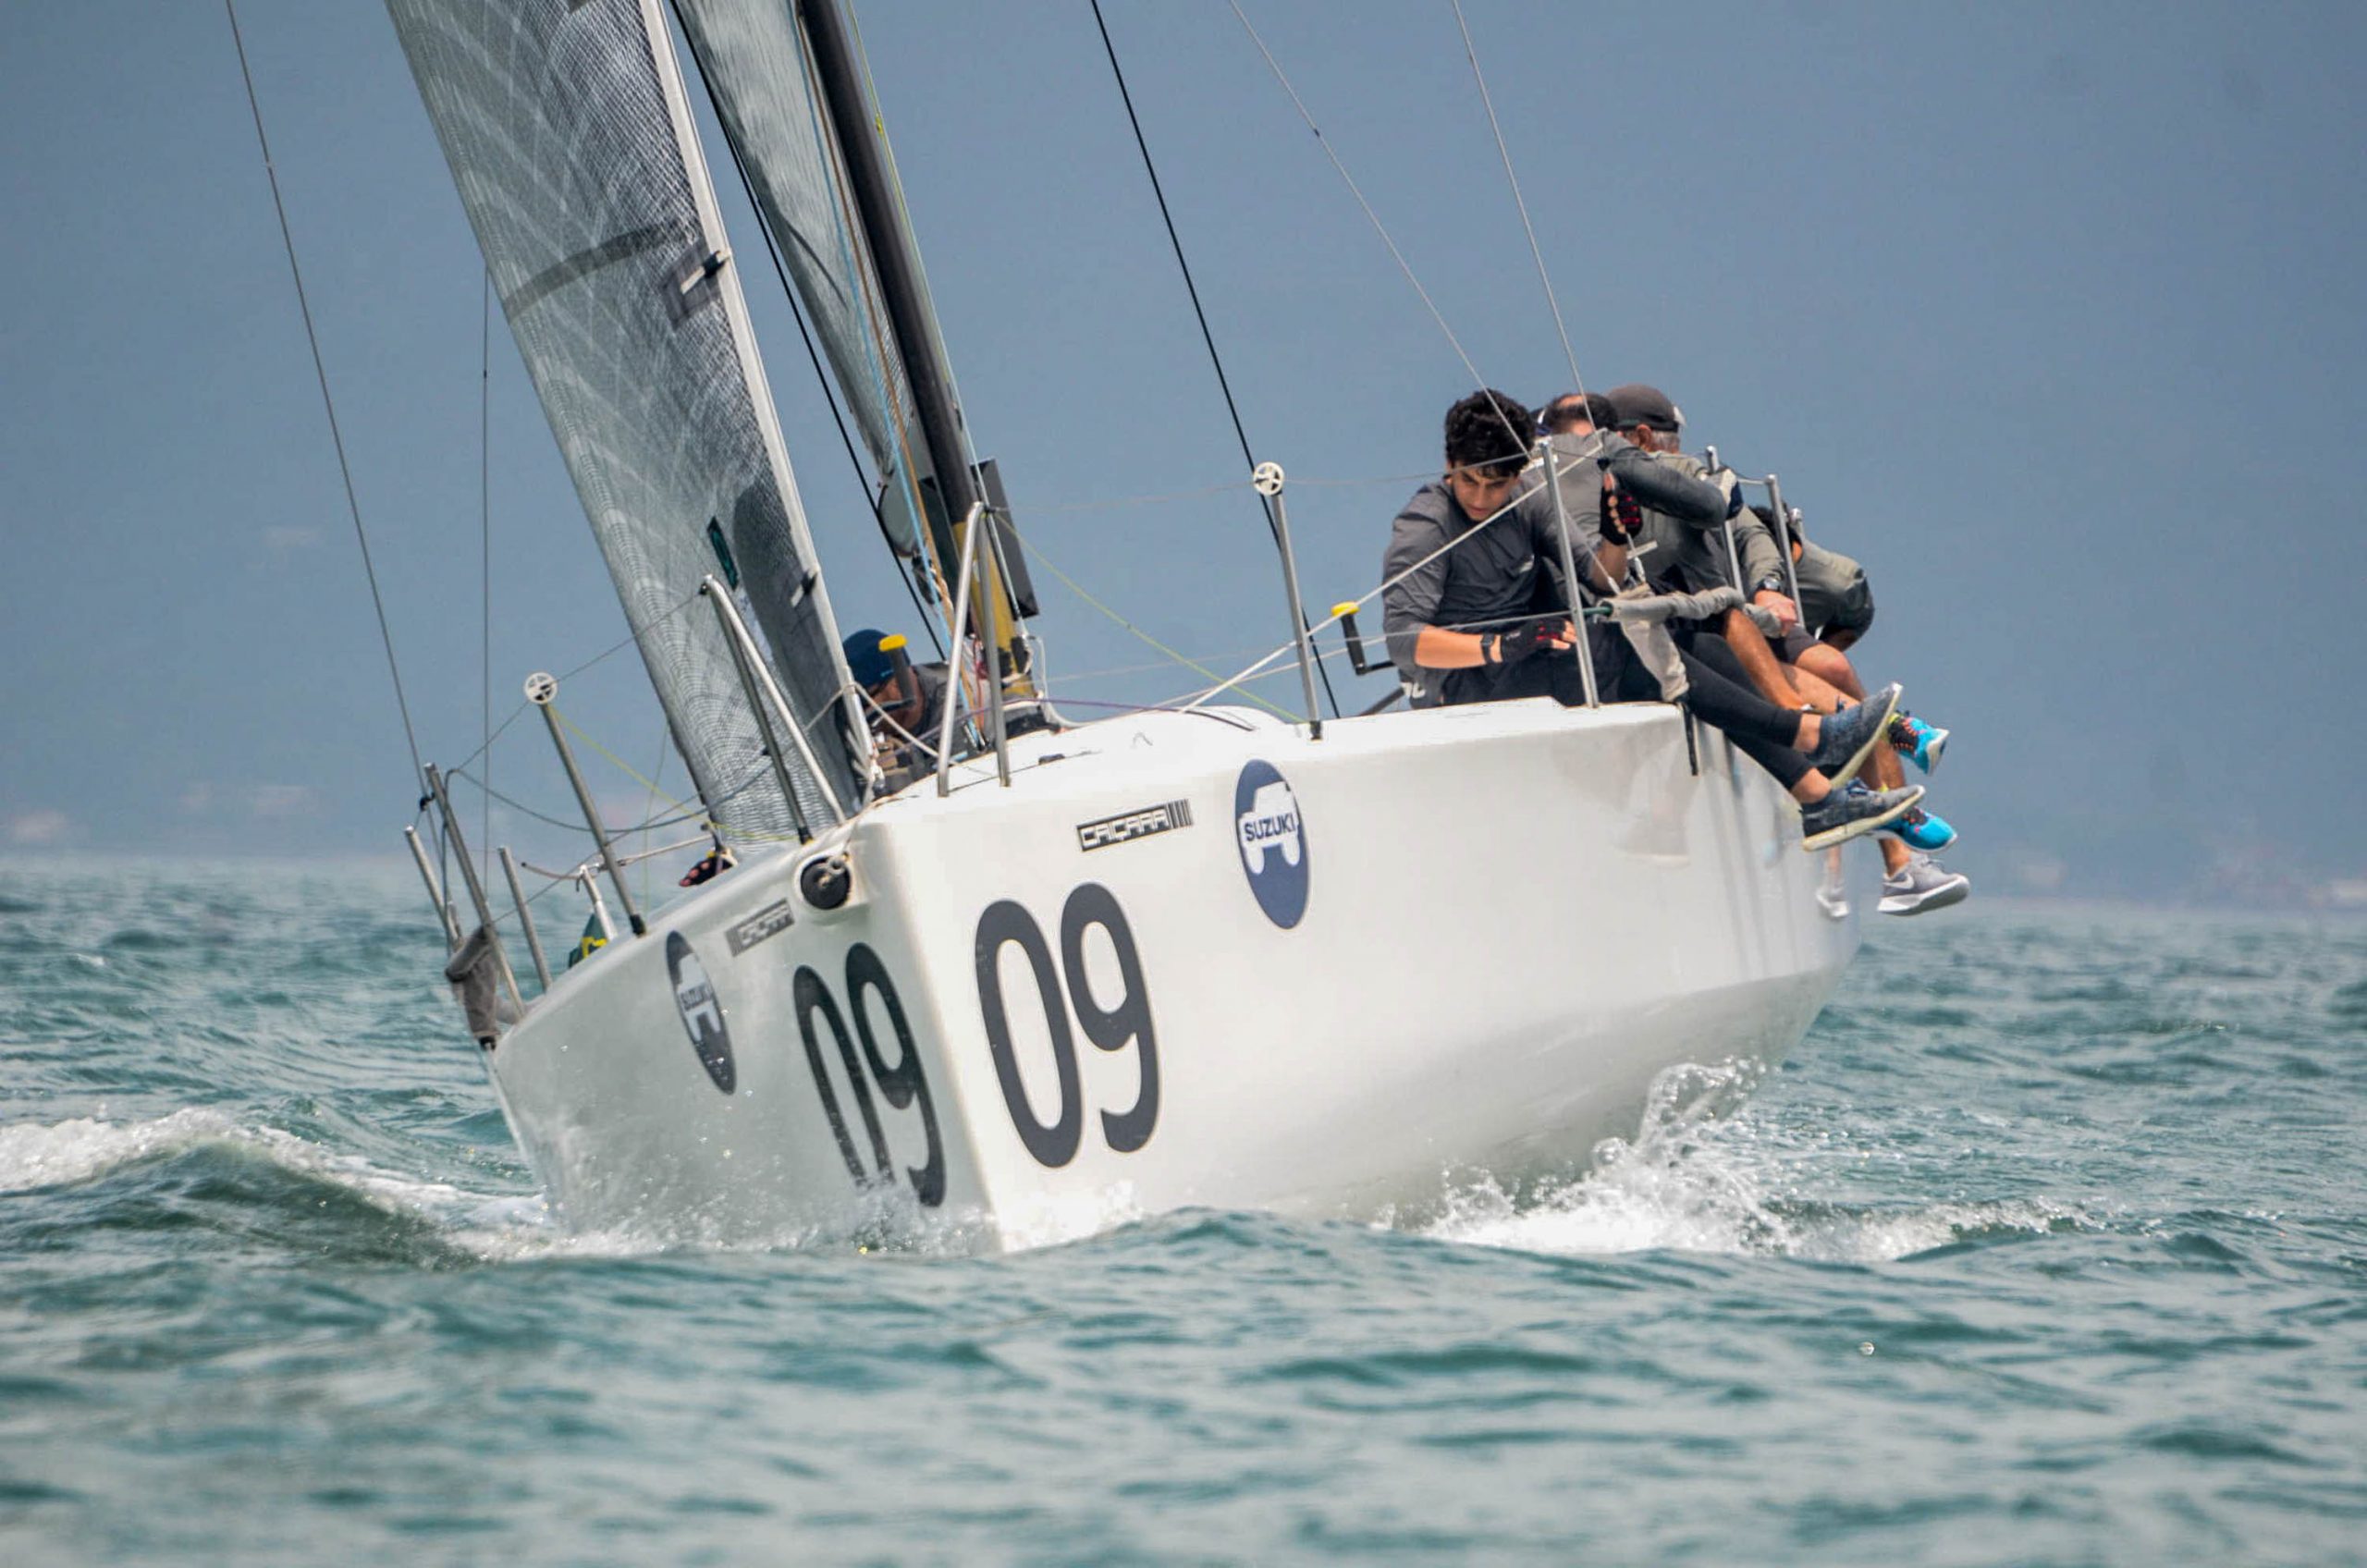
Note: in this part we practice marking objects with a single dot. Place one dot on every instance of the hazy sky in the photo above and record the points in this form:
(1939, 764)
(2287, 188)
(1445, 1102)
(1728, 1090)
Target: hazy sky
(2053, 316)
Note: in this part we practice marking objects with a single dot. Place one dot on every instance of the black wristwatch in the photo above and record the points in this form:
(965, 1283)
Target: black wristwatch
(1770, 585)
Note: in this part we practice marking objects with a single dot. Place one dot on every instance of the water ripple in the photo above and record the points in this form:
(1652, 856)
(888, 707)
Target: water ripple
(2047, 1246)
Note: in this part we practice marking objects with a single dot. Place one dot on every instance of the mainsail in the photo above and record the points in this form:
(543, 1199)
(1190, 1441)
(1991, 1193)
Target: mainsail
(571, 139)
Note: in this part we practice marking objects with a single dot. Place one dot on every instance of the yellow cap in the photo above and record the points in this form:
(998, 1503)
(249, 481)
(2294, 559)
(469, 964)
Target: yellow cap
(889, 643)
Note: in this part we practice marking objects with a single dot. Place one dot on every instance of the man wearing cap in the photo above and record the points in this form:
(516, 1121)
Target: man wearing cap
(910, 697)
(1459, 611)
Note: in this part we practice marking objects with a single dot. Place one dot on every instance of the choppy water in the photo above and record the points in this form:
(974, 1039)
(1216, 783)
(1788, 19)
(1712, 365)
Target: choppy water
(2046, 1247)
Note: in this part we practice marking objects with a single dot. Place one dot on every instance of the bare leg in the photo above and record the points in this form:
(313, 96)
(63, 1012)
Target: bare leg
(1829, 665)
(1758, 661)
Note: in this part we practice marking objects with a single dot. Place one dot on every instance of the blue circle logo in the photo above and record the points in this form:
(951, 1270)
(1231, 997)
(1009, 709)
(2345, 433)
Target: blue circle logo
(1272, 841)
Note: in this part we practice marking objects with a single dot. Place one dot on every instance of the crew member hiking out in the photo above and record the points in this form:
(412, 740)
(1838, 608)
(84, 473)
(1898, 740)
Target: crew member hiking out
(1775, 657)
(1460, 576)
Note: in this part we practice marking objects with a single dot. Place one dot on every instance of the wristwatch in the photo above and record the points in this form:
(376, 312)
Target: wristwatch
(1770, 585)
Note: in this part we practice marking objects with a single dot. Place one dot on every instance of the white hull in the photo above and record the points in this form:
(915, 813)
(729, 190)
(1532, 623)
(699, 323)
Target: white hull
(1509, 918)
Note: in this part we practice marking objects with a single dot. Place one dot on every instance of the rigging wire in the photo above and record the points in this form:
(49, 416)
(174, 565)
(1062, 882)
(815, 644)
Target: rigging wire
(484, 519)
(320, 370)
(1519, 201)
(813, 356)
(649, 806)
(1386, 584)
(1223, 383)
(1523, 436)
(1077, 588)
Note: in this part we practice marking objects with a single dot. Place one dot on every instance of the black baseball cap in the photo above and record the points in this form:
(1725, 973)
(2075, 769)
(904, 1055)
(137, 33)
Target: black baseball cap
(1638, 404)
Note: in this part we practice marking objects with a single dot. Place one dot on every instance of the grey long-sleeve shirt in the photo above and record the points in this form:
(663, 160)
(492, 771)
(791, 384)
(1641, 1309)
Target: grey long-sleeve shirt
(1683, 513)
(1689, 546)
(1486, 582)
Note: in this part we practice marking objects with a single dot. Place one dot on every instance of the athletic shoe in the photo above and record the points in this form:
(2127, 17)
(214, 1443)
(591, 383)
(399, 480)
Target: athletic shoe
(1918, 830)
(1919, 742)
(1847, 736)
(1922, 886)
(1832, 898)
(1853, 810)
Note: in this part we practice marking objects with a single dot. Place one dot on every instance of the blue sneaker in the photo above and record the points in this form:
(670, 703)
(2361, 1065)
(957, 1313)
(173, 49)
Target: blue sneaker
(1921, 830)
(1919, 742)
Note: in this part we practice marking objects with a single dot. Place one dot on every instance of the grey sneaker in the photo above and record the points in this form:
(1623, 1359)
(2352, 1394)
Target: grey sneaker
(1925, 884)
(1847, 736)
(1852, 810)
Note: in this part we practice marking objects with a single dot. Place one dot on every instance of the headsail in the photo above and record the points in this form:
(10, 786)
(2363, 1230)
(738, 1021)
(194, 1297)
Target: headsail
(571, 139)
(757, 69)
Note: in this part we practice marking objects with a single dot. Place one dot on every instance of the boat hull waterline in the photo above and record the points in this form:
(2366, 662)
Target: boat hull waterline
(1187, 959)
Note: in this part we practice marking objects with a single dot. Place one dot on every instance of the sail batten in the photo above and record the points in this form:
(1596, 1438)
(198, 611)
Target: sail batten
(570, 140)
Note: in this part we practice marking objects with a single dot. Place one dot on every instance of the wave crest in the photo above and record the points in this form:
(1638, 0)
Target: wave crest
(1693, 1181)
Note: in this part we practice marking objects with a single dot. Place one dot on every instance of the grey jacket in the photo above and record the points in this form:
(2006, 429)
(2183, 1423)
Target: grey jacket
(1683, 513)
(1688, 548)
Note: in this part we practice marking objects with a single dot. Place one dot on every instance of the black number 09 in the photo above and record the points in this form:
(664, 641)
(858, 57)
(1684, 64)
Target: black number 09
(903, 1083)
(1109, 1029)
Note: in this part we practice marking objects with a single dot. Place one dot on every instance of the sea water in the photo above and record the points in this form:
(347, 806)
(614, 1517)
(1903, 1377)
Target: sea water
(2045, 1247)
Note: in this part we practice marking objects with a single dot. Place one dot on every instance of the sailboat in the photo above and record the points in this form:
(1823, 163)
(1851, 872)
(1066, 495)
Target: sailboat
(1063, 972)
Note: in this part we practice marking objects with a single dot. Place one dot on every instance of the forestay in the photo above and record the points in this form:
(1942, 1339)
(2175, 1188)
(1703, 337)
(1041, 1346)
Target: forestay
(570, 140)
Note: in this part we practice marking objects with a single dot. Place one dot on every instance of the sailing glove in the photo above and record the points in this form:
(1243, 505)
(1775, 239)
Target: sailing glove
(1622, 518)
(1521, 643)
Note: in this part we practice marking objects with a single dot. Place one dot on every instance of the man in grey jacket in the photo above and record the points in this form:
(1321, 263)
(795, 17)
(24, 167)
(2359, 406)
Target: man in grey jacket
(1460, 610)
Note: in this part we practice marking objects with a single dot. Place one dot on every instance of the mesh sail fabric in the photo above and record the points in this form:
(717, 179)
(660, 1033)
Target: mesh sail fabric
(757, 69)
(570, 140)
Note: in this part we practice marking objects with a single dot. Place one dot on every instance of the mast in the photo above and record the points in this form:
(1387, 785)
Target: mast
(892, 257)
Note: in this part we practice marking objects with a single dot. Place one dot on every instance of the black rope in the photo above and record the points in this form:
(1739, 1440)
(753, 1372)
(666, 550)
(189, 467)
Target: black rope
(797, 314)
(1248, 458)
(410, 736)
